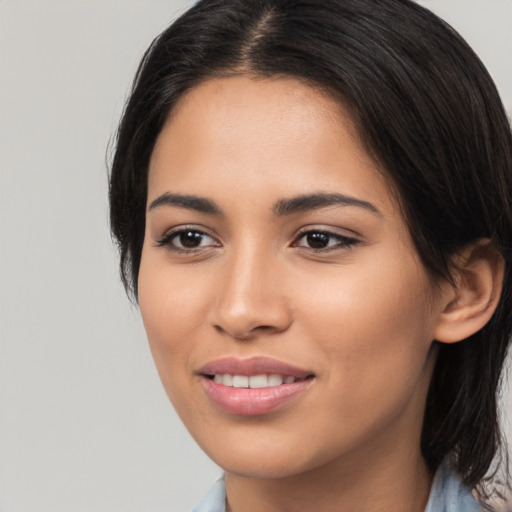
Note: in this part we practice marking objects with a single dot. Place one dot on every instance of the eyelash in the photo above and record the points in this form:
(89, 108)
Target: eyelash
(168, 238)
(342, 242)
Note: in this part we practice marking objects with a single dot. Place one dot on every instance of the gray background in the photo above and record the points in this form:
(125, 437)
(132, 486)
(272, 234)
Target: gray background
(84, 423)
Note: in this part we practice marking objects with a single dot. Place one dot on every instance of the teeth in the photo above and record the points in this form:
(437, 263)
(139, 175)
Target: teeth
(258, 381)
(240, 381)
(275, 380)
(227, 379)
(254, 381)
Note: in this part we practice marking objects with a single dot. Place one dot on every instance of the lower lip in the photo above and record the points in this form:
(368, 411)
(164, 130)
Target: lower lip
(253, 402)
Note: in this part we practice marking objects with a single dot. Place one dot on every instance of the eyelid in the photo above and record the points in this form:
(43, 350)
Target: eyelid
(167, 237)
(329, 230)
(346, 241)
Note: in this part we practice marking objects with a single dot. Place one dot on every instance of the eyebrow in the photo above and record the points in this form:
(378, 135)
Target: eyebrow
(199, 204)
(282, 207)
(319, 200)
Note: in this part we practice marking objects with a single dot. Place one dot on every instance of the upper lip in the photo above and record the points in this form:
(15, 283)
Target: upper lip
(253, 366)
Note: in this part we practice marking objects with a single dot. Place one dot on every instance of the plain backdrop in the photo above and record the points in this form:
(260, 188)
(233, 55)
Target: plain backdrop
(84, 422)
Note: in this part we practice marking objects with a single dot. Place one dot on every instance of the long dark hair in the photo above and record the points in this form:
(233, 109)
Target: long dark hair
(428, 113)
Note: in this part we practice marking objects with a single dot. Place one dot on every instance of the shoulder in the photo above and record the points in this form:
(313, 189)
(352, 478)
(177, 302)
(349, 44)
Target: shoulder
(214, 500)
(448, 494)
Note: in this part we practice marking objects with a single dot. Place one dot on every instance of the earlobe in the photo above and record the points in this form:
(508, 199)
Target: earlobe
(471, 301)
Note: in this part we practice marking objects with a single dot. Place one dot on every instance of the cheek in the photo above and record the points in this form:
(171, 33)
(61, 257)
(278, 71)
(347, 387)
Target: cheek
(172, 309)
(374, 330)
(390, 301)
(171, 303)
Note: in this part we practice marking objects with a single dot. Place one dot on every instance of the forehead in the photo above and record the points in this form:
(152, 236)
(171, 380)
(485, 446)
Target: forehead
(259, 102)
(258, 133)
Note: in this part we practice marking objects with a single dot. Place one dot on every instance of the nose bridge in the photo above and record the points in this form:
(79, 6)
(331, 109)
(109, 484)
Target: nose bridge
(250, 298)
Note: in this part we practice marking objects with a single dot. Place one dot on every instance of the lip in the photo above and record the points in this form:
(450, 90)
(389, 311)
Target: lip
(253, 366)
(253, 402)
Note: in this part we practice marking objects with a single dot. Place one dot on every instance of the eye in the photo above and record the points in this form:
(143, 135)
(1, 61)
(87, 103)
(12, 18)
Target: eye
(319, 240)
(187, 239)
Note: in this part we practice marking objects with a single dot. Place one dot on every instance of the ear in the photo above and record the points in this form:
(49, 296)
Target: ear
(469, 304)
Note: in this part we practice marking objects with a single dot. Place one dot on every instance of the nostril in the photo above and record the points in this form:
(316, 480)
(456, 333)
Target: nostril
(244, 322)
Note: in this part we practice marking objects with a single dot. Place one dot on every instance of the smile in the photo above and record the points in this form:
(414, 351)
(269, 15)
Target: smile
(253, 381)
(255, 386)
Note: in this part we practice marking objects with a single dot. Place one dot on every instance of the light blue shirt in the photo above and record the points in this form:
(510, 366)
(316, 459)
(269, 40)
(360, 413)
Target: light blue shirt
(447, 495)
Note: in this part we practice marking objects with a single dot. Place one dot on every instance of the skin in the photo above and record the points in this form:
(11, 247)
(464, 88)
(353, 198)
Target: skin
(360, 314)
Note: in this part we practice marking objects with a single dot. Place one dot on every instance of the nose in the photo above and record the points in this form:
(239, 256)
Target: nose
(251, 298)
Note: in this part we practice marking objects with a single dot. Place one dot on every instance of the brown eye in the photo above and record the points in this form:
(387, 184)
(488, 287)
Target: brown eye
(187, 239)
(318, 240)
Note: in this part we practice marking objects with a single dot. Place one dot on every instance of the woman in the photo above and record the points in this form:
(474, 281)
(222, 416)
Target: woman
(312, 202)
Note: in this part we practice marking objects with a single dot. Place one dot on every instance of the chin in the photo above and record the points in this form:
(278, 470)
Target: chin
(262, 455)
(263, 468)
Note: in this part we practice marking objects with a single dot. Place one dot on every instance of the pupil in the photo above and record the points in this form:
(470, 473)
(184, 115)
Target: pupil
(190, 239)
(317, 240)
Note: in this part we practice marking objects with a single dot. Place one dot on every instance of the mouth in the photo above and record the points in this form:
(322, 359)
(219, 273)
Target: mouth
(256, 386)
(255, 381)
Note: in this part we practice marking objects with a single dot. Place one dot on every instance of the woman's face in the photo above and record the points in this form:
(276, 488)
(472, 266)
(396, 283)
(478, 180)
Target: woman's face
(287, 311)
